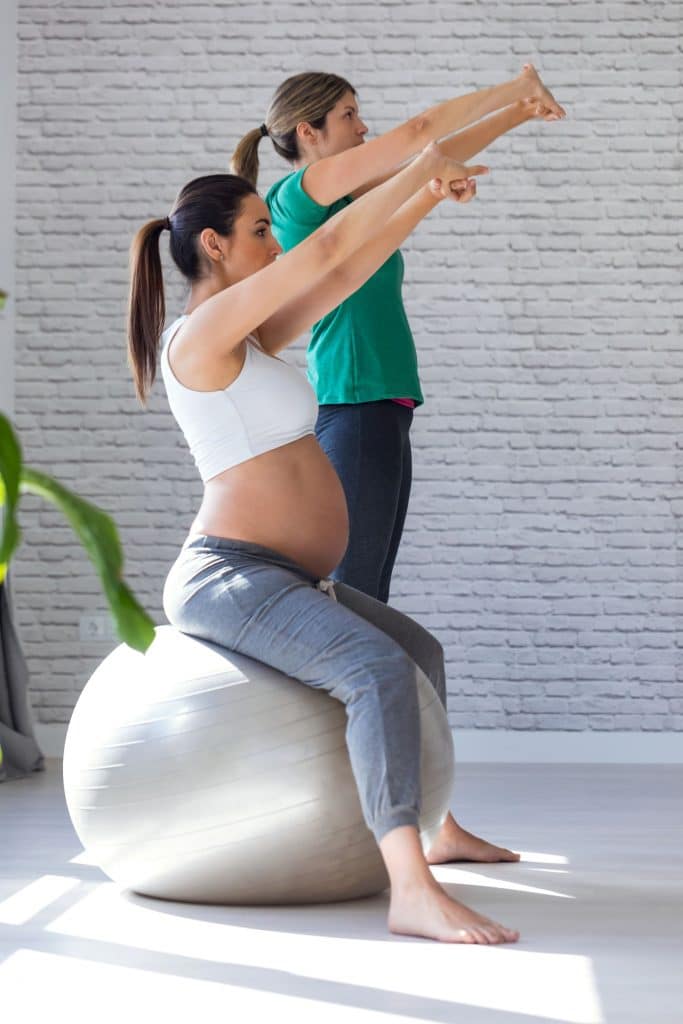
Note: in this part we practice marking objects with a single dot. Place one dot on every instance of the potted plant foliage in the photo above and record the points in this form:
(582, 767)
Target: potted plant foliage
(93, 527)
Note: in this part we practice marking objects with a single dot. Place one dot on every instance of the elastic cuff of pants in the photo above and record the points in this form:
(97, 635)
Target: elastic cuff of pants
(396, 819)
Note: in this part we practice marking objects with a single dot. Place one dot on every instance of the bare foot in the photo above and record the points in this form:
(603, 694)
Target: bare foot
(454, 843)
(538, 91)
(425, 910)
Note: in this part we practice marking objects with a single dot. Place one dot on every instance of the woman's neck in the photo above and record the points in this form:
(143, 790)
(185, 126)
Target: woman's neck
(200, 292)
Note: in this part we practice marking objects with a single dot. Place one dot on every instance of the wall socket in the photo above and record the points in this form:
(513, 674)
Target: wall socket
(96, 628)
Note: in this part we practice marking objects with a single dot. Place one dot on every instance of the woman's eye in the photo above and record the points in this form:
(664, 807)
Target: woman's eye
(261, 232)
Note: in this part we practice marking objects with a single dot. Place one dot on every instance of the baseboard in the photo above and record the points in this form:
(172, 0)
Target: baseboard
(512, 746)
(50, 739)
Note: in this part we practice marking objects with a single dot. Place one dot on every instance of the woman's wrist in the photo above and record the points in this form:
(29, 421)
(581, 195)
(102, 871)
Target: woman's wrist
(431, 159)
(432, 194)
(526, 110)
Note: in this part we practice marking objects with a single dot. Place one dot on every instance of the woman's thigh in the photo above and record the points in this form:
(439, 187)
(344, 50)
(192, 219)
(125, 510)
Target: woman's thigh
(364, 444)
(275, 614)
(401, 506)
(419, 644)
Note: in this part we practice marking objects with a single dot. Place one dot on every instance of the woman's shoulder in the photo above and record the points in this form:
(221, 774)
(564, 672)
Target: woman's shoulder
(289, 202)
(283, 189)
(172, 329)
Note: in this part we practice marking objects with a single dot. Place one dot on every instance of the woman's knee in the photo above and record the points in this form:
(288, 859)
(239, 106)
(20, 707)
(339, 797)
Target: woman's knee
(385, 672)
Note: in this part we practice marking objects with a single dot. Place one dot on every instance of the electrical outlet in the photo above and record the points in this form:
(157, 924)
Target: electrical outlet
(96, 628)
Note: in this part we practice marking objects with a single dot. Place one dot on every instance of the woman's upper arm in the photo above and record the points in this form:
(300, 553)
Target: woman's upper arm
(221, 322)
(301, 312)
(345, 173)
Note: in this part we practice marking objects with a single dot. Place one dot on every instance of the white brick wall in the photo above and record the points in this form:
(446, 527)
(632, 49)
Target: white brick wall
(543, 544)
(8, 132)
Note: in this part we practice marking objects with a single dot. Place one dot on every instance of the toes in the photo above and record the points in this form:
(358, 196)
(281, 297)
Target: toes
(498, 932)
(509, 855)
(508, 934)
(501, 853)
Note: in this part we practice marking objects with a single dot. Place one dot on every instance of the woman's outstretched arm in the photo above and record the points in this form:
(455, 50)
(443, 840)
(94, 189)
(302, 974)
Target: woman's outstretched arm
(474, 140)
(222, 322)
(343, 174)
(296, 316)
(467, 144)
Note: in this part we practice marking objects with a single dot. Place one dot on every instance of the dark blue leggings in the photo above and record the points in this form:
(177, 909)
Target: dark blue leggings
(369, 446)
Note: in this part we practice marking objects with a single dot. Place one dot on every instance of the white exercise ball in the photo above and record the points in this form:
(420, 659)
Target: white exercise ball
(193, 773)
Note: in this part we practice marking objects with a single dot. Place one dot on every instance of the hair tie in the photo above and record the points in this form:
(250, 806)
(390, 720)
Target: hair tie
(263, 130)
(167, 223)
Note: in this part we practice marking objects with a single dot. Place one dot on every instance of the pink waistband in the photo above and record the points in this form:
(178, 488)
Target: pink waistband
(411, 403)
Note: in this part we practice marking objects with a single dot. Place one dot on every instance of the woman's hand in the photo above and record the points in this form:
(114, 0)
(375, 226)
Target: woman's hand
(460, 191)
(539, 92)
(448, 171)
(534, 108)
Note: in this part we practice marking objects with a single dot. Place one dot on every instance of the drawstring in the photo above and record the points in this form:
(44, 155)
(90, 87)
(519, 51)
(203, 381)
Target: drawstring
(327, 587)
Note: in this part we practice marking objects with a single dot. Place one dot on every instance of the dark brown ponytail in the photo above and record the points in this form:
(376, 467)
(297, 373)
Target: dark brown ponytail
(146, 306)
(212, 201)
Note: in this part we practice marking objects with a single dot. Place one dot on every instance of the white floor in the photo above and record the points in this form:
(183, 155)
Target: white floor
(598, 899)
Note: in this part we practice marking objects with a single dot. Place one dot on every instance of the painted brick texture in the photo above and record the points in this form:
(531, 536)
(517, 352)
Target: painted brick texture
(543, 544)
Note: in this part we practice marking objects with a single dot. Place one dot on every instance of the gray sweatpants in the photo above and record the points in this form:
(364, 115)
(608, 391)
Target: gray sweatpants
(258, 603)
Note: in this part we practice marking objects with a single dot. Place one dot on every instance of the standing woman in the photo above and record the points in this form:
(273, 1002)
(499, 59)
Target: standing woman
(361, 357)
(273, 522)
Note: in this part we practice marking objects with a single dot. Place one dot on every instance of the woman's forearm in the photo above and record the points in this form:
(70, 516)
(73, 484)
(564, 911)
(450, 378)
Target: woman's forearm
(468, 143)
(356, 271)
(453, 115)
(323, 296)
(357, 223)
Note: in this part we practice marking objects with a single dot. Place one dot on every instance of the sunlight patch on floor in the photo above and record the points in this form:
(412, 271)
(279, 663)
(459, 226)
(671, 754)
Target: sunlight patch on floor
(89, 991)
(300, 945)
(21, 906)
(531, 857)
(448, 874)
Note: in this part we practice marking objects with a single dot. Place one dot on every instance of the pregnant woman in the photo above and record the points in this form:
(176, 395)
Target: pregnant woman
(272, 523)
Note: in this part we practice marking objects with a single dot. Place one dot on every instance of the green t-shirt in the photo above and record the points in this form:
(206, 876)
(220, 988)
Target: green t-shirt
(362, 351)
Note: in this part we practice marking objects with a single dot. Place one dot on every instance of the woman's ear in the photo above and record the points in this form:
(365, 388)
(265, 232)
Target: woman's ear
(212, 245)
(305, 134)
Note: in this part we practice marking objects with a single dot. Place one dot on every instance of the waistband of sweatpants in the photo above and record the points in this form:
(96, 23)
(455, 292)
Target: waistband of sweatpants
(246, 549)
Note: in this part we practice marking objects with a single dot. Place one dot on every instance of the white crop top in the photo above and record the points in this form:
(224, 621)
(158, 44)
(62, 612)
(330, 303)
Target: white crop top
(270, 403)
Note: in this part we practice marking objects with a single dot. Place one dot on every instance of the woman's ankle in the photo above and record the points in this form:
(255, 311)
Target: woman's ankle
(405, 861)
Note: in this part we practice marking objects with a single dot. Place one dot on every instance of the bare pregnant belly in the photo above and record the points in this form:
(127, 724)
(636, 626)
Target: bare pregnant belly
(289, 499)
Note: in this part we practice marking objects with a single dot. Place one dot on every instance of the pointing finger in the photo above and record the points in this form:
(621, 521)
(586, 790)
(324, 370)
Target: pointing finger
(477, 169)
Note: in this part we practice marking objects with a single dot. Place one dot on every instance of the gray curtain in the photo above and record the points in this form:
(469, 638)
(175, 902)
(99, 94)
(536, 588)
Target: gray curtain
(20, 750)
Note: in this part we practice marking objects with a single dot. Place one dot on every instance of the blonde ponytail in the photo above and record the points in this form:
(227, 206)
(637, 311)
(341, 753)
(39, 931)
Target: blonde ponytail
(306, 97)
(245, 158)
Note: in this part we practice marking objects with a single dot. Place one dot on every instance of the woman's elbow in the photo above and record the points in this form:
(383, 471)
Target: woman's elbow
(329, 246)
(421, 128)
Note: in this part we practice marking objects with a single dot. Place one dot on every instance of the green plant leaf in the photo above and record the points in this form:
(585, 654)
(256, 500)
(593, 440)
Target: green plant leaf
(10, 474)
(98, 535)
